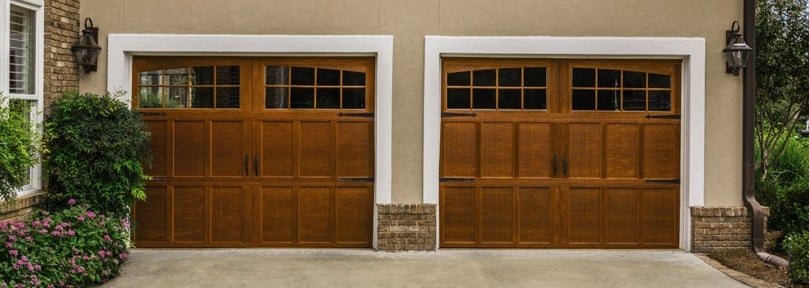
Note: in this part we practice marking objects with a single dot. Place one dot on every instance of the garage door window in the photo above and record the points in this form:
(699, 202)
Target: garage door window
(190, 87)
(293, 87)
(619, 90)
(502, 88)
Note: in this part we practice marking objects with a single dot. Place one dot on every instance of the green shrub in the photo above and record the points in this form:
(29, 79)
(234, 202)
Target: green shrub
(74, 247)
(786, 189)
(96, 149)
(797, 246)
(17, 147)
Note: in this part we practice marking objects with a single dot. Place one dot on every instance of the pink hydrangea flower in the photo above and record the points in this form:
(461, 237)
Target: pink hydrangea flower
(91, 214)
(71, 202)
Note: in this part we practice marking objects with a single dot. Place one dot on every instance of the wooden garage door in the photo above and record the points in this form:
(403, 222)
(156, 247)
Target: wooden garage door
(560, 154)
(257, 151)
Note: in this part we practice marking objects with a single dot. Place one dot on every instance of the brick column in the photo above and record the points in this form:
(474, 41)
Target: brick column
(62, 30)
(407, 227)
(717, 228)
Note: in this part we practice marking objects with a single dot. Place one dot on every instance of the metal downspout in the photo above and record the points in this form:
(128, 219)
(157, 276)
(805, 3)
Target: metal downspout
(749, 112)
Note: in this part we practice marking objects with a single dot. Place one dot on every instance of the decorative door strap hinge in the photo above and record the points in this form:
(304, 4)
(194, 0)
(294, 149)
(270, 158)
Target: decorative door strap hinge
(666, 116)
(143, 113)
(366, 114)
(454, 114)
(355, 179)
(663, 181)
(452, 179)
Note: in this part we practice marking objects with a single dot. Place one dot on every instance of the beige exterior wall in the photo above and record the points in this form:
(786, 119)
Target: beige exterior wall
(409, 21)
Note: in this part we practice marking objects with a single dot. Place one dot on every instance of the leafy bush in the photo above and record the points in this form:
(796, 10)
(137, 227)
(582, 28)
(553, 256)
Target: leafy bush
(797, 246)
(17, 147)
(96, 143)
(72, 248)
(786, 189)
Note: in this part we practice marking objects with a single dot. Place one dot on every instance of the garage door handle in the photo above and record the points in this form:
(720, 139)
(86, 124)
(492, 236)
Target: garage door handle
(255, 164)
(246, 168)
(564, 167)
(554, 165)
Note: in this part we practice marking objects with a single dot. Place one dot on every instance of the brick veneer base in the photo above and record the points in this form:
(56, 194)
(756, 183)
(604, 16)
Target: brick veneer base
(21, 208)
(717, 228)
(406, 227)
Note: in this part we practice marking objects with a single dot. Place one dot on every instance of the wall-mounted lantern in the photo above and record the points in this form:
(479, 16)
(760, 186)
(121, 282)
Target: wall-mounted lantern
(86, 50)
(737, 51)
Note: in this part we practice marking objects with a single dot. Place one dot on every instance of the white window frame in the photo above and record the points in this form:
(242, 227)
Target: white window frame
(122, 47)
(690, 50)
(38, 7)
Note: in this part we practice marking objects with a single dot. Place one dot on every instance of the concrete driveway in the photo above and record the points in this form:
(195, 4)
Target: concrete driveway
(446, 268)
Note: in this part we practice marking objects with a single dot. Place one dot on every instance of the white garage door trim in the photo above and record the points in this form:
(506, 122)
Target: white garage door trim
(121, 48)
(690, 50)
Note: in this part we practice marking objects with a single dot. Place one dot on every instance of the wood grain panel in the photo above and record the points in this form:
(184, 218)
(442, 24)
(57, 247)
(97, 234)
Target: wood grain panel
(535, 215)
(158, 143)
(459, 149)
(315, 149)
(277, 149)
(189, 148)
(584, 150)
(659, 217)
(354, 214)
(355, 146)
(189, 214)
(584, 215)
(458, 215)
(227, 141)
(496, 150)
(622, 151)
(497, 214)
(277, 215)
(151, 216)
(535, 154)
(226, 214)
(621, 213)
(661, 152)
(314, 214)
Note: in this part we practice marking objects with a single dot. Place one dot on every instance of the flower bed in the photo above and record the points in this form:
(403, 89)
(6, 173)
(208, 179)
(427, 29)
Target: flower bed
(74, 247)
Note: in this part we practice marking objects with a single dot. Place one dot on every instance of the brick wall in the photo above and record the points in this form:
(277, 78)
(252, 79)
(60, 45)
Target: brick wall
(21, 208)
(62, 30)
(719, 228)
(407, 227)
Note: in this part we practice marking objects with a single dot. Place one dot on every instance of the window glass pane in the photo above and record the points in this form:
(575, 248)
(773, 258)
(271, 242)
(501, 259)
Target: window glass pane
(227, 97)
(276, 97)
(459, 79)
(609, 78)
(634, 79)
(584, 77)
(351, 78)
(535, 77)
(202, 75)
(608, 100)
(277, 75)
(634, 101)
(177, 97)
(149, 97)
(177, 76)
(328, 98)
(149, 78)
(535, 99)
(659, 81)
(510, 77)
(659, 100)
(328, 77)
(201, 97)
(24, 107)
(302, 97)
(584, 100)
(483, 99)
(353, 98)
(21, 50)
(509, 99)
(227, 75)
(458, 99)
(303, 76)
(483, 77)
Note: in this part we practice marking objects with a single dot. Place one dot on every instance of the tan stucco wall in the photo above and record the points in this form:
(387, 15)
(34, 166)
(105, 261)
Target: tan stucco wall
(408, 21)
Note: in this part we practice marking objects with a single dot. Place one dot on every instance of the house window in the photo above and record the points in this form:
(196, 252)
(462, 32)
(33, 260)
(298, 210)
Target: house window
(21, 52)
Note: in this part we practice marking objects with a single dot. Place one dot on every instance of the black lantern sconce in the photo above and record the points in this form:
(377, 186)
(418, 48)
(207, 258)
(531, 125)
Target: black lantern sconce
(86, 50)
(737, 51)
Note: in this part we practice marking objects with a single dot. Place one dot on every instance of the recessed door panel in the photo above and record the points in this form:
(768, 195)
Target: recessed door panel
(535, 153)
(536, 213)
(353, 214)
(277, 149)
(159, 145)
(622, 151)
(584, 215)
(152, 218)
(458, 218)
(459, 148)
(189, 148)
(584, 150)
(497, 214)
(226, 214)
(277, 215)
(227, 143)
(354, 140)
(496, 150)
(621, 213)
(314, 214)
(189, 214)
(315, 148)
(659, 217)
(660, 151)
